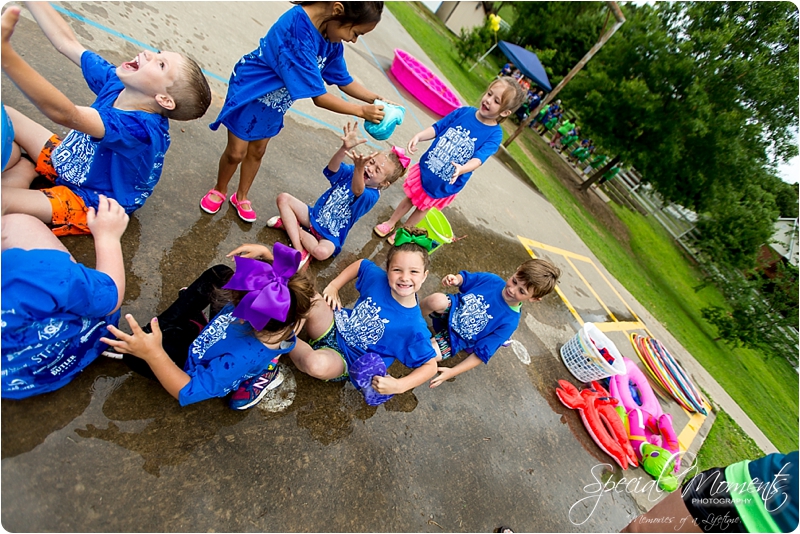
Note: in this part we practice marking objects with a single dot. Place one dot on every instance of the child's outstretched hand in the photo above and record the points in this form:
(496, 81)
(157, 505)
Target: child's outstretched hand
(139, 344)
(412, 145)
(360, 160)
(350, 138)
(386, 385)
(445, 373)
(108, 220)
(9, 19)
(372, 113)
(253, 251)
(331, 296)
(452, 280)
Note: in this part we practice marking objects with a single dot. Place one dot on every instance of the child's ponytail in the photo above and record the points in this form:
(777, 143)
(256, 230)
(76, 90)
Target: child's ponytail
(411, 239)
(355, 13)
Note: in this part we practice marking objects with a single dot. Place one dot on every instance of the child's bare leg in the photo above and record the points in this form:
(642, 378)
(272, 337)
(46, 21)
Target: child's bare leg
(323, 363)
(319, 318)
(233, 155)
(13, 158)
(321, 250)
(27, 232)
(416, 217)
(436, 349)
(28, 201)
(250, 166)
(435, 302)
(403, 208)
(293, 214)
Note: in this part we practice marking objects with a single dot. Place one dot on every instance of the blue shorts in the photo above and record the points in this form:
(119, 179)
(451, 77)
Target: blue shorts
(328, 341)
(254, 121)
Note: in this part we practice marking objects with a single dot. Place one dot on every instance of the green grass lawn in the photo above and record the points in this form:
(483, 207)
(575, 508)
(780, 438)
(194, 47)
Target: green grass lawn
(724, 445)
(650, 266)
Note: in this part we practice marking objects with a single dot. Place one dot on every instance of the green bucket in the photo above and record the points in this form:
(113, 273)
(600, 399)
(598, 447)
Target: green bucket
(438, 228)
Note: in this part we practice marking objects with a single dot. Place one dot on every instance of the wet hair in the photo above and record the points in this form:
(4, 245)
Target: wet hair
(410, 247)
(191, 93)
(301, 292)
(539, 276)
(399, 170)
(355, 13)
(513, 95)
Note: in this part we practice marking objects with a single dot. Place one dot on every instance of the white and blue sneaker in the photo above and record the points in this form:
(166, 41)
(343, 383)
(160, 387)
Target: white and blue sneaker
(252, 390)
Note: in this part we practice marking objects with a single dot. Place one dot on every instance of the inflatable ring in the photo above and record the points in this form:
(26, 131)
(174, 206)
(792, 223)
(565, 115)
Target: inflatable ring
(620, 387)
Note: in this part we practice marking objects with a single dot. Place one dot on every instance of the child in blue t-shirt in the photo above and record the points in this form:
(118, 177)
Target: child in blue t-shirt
(386, 319)
(301, 53)
(464, 140)
(484, 313)
(53, 308)
(116, 147)
(354, 190)
(238, 350)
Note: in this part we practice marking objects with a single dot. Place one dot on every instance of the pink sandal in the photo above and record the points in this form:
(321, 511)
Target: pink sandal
(383, 229)
(244, 209)
(209, 205)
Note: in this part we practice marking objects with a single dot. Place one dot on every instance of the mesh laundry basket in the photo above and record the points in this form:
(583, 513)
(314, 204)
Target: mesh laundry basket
(581, 355)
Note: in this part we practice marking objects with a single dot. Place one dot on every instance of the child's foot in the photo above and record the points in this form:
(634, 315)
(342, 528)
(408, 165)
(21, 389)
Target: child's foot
(383, 229)
(251, 391)
(244, 209)
(212, 202)
(275, 222)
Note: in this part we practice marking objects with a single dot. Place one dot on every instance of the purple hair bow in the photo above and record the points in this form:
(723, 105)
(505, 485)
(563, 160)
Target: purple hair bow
(268, 294)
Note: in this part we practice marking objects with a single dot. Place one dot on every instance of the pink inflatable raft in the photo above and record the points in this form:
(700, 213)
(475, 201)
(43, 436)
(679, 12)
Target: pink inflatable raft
(647, 422)
(423, 84)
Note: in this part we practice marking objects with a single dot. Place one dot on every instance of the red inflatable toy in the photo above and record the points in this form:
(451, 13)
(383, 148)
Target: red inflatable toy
(596, 407)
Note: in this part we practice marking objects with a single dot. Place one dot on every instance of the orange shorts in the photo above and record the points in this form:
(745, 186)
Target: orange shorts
(69, 209)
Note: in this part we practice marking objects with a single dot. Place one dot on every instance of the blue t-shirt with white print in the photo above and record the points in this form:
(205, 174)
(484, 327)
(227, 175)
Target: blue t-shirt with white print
(480, 320)
(225, 354)
(54, 312)
(459, 138)
(338, 209)
(292, 61)
(380, 324)
(126, 163)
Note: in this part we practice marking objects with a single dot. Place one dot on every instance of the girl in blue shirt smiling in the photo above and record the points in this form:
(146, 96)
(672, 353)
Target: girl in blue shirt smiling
(301, 53)
(386, 319)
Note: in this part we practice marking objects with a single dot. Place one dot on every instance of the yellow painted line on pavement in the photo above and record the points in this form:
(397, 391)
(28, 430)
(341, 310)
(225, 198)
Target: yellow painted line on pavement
(591, 290)
(620, 326)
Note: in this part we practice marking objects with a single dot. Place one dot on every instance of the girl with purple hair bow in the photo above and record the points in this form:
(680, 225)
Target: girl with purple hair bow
(257, 311)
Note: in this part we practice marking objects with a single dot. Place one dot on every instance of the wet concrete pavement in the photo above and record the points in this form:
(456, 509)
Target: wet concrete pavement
(113, 451)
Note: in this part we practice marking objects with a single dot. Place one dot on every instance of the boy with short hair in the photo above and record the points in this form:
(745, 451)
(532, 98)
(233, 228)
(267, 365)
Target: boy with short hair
(116, 147)
(485, 312)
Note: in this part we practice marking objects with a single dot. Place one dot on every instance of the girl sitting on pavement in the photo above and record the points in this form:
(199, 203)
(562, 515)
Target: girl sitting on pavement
(301, 53)
(237, 351)
(386, 319)
(320, 231)
(464, 140)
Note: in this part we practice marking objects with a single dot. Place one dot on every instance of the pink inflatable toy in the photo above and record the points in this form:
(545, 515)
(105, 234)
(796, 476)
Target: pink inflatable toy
(423, 84)
(647, 422)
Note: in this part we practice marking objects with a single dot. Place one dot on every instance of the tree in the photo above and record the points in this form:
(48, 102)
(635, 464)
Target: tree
(676, 94)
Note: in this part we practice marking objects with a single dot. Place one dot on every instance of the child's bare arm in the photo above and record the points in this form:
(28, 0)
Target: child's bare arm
(333, 103)
(349, 141)
(108, 223)
(148, 347)
(356, 90)
(57, 30)
(331, 291)
(49, 100)
(388, 385)
(425, 135)
(446, 373)
(254, 251)
(360, 162)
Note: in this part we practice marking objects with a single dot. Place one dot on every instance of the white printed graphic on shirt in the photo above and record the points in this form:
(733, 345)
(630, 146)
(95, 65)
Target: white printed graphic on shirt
(215, 331)
(363, 327)
(72, 159)
(279, 99)
(454, 146)
(321, 62)
(335, 213)
(470, 317)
